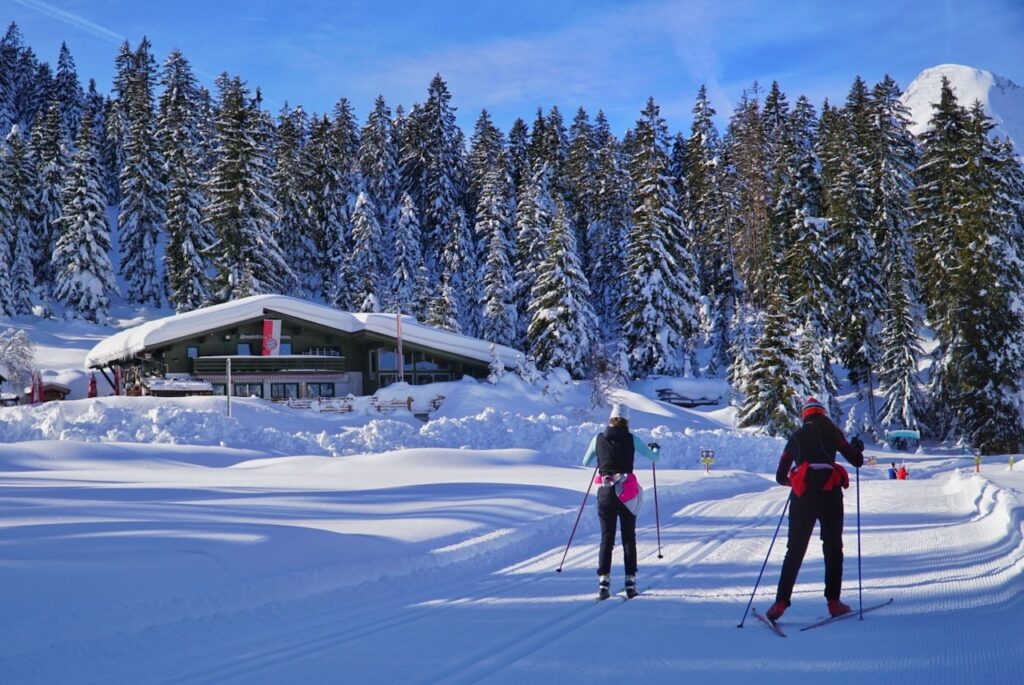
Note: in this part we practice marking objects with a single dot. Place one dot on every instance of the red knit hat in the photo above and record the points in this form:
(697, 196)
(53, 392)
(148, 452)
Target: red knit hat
(811, 407)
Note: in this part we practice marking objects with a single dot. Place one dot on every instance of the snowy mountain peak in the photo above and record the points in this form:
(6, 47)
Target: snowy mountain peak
(1001, 98)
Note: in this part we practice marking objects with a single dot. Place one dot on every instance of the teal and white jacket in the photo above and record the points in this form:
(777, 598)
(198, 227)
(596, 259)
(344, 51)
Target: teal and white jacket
(638, 445)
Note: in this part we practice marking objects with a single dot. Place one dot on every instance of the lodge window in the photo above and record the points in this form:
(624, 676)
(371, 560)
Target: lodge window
(244, 350)
(284, 391)
(218, 388)
(419, 368)
(319, 389)
(248, 389)
(285, 348)
(425, 362)
(192, 351)
(388, 360)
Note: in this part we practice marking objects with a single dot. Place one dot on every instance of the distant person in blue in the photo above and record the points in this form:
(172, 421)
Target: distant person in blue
(619, 495)
(892, 471)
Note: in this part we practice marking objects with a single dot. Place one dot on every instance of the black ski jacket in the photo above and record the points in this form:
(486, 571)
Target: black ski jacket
(615, 451)
(816, 442)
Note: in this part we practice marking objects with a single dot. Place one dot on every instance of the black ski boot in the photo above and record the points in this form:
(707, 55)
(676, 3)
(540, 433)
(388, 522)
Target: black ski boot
(604, 584)
(631, 587)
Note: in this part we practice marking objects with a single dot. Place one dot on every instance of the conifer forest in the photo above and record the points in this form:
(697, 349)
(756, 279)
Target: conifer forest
(797, 242)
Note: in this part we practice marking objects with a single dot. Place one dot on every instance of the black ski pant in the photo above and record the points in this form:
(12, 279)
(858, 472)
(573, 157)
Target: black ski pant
(826, 508)
(610, 510)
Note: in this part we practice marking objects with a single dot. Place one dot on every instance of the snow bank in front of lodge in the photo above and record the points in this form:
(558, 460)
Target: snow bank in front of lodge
(557, 421)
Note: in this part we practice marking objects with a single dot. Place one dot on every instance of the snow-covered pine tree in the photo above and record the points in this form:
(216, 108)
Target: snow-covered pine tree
(659, 311)
(34, 85)
(555, 150)
(606, 233)
(364, 261)
(518, 155)
(495, 367)
(10, 45)
(96, 105)
(898, 380)
(939, 190)
(84, 277)
(438, 148)
(17, 355)
(460, 270)
(534, 214)
(143, 194)
(241, 211)
(292, 193)
(333, 180)
(803, 255)
(858, 265)
(18, 182)
(493, 216)
(580, 181)
(774, 381)
(775, 123)
(67, 91)
(185, 261)
(677, 172)
(408, 262)
(749, 187)
(6, 240)
(440, 311)
(378, 161)
(337, 184)
(486, 143)
(52, 162)
(984, 360)
(563, 327)
(706, 210)
(893, 158)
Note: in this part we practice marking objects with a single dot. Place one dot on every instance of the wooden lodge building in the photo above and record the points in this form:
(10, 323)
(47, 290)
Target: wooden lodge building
(279, 348)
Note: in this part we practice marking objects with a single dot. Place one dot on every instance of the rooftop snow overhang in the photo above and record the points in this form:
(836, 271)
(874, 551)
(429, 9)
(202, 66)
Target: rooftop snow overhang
(130, 342)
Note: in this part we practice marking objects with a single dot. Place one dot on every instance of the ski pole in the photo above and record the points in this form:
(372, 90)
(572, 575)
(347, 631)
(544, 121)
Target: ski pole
(657, 517)
(860, 581)
(766, 557)
(580, 513)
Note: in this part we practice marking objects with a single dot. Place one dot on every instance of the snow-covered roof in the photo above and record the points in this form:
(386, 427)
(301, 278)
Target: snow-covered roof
(131, 341)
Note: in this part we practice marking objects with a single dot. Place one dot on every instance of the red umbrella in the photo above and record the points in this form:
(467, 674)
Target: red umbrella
(92, 385)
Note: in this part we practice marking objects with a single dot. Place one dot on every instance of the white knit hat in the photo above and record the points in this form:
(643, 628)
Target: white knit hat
(619, 410)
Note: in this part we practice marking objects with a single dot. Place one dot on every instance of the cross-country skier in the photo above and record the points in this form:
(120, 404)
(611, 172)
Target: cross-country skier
(808, 465)
(619, 494)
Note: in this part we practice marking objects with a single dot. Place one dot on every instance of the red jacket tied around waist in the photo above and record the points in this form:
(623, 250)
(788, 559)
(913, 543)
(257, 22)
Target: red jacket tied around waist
(811, 451)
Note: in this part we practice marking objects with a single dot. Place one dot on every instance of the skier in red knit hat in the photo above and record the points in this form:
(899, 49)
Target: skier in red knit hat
(808, 465)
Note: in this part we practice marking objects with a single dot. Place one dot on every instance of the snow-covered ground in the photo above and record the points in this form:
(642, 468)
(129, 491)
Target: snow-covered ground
(161, 541)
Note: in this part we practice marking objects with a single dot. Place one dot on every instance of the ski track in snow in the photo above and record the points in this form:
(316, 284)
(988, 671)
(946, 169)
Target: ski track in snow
(949, 548)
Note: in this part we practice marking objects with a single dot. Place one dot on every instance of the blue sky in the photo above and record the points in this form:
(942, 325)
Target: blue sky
(511, 57)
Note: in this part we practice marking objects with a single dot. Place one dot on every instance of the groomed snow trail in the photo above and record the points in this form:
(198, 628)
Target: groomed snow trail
(948, 547)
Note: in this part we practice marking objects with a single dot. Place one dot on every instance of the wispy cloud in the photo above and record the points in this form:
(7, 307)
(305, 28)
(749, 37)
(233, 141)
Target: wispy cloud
(73, 19)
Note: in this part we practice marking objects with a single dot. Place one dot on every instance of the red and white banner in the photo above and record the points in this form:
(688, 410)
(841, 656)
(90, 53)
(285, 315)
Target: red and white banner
(271, 337)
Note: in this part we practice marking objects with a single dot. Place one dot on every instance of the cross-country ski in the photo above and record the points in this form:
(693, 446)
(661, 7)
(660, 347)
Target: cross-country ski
(772, 625)
(854, 613)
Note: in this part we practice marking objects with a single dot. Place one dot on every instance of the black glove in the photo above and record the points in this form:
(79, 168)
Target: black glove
(857, 444)
(654, 445)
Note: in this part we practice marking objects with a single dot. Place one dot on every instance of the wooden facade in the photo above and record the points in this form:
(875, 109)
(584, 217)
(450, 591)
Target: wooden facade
(314, 360)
